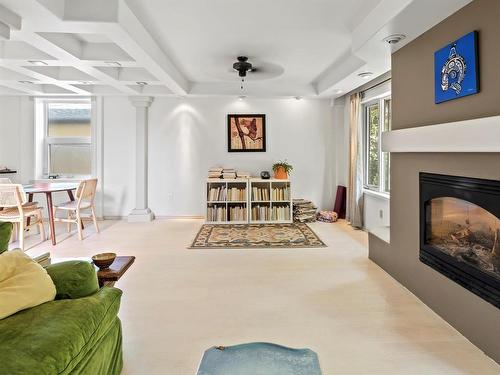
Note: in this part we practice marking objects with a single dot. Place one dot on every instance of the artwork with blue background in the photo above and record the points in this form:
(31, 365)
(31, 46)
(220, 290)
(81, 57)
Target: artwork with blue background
(456, 70)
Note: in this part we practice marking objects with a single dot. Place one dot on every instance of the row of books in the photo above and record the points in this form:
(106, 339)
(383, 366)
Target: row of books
(236, 194)
(260, 194)
(216, 213)
(222, 194)
(280, 194)
(217, 194)
(237, 213)
(261, 213)
(280, 213)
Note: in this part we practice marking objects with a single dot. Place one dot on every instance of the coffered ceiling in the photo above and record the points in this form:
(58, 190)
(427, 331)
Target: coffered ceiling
(313, 48)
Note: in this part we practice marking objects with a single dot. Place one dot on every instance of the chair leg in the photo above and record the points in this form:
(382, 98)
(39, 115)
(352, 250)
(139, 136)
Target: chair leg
(94, 219)
(41, 228)
(68, 225)
(13, 236)
(21, 235)
(79, 225)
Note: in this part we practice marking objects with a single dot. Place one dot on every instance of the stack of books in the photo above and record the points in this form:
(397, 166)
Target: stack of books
(229, 173)
(304, 211)
(215, 172)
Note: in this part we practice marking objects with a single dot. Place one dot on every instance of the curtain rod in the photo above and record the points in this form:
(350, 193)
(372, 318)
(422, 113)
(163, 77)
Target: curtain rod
(375, 85)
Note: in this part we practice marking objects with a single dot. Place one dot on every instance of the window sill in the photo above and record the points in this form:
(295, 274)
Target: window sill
(377, 194)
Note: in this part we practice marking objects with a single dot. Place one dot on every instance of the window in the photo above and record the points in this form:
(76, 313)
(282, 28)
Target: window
(377, 163)
(67, 131)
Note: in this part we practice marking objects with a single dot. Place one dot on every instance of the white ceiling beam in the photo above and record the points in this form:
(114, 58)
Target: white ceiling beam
(10, 18)
(4, 31)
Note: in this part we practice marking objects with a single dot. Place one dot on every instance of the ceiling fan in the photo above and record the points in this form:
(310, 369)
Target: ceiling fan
(242, 66)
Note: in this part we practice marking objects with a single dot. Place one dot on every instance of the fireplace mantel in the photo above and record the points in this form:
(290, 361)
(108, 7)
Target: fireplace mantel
(477, 135)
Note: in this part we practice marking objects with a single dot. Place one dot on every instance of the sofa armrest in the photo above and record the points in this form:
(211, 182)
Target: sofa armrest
(73, 279)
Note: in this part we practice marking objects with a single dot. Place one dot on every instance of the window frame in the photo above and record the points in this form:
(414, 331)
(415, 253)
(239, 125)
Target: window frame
(380, 101)
(48, 141)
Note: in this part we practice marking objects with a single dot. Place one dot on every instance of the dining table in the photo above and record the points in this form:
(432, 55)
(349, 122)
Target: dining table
(48, 188)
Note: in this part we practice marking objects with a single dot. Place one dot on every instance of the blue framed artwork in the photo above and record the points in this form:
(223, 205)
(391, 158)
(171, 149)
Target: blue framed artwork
(456, 69)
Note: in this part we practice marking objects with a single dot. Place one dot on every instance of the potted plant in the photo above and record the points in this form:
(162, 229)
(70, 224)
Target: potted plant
(281, 170)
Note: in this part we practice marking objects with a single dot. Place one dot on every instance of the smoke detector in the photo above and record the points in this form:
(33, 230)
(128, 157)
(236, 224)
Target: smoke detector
(394, 39)
(365, 75)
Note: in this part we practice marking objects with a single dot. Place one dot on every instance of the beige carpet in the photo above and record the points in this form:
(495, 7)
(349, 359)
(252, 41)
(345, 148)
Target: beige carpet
(292, 235)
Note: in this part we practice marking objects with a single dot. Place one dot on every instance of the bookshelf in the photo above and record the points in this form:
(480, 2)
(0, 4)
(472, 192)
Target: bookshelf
(270, 201)
(253, 200)
(227, 201)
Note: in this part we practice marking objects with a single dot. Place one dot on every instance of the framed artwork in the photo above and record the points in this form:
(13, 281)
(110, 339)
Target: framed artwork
(246, 133)
(456, 69)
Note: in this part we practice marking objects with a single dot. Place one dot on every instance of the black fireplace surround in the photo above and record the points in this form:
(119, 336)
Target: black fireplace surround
(460, 231)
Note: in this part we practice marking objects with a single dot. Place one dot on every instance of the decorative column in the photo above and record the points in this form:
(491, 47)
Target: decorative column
(141, 212)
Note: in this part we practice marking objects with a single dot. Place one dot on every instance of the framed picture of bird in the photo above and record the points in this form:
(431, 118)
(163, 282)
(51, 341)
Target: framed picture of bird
(246, 133)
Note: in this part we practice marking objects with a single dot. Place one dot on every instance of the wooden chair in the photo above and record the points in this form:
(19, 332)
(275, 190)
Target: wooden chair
(5, 180)
(85, 195)
(13, 209)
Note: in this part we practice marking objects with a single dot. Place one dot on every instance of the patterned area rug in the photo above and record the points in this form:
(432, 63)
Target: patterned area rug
(259, 358)
(293, 235)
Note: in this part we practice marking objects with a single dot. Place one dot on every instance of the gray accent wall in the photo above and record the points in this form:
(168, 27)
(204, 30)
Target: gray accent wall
(413, 105)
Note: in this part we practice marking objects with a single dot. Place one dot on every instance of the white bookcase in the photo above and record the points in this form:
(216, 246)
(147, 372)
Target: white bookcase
(252, 200)
(270, 201)
(227, 201)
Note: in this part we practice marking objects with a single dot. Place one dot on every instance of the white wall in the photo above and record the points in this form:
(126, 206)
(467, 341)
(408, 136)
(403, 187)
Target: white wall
(186, 137)
(376, 211)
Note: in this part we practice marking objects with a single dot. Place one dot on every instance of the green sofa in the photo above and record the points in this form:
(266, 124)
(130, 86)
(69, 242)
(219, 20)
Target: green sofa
(77, 333)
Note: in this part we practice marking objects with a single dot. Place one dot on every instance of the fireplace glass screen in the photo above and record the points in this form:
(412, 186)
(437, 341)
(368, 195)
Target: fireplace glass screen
(465, 231)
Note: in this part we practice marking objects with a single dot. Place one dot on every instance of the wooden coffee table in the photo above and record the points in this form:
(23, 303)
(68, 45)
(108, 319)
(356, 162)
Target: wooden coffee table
(110, 275)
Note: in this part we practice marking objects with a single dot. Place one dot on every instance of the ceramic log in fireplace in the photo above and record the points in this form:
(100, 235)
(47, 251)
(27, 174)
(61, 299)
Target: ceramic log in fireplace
(460, 231)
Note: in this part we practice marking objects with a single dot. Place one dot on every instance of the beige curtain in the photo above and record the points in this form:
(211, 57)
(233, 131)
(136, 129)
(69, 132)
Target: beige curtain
(355, 189)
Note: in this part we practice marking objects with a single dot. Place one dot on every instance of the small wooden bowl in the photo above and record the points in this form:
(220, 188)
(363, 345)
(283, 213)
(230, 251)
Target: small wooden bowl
(104, 260)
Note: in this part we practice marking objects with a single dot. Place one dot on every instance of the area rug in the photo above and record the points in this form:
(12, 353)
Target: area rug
(259, 359)
(292, 235)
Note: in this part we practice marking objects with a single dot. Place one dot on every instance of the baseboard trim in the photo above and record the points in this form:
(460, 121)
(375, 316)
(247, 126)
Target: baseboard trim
(157, 217)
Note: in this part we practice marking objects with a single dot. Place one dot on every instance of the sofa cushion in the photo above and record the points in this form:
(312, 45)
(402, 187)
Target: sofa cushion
(23, 283)
(53, 338)
(5, 232)
(73, 279)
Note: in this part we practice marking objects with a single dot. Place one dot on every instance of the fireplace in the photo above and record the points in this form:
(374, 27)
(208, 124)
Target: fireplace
(460, 231)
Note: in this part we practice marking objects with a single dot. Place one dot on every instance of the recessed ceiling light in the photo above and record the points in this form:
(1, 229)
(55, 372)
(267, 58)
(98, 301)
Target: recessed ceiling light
(113, 63)
(141, 83)
(241, 97)
(365, 75)
(25, 82)
(37, 62)
(338, 91)
(394, 38)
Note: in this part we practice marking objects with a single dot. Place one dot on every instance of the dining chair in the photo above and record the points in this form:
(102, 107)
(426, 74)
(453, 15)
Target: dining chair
(5, 180)
(85, 194)
(14, 210)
